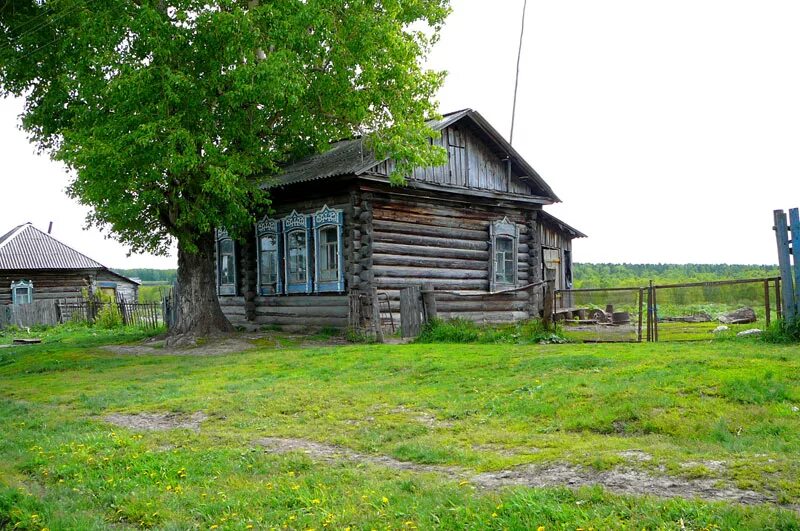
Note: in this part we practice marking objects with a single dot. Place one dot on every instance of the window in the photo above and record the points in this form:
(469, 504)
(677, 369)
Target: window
(269, 275)
(329, 258)
(22, 292)
(297, 245)
(504, 260)
(504, 238)
(226, 263)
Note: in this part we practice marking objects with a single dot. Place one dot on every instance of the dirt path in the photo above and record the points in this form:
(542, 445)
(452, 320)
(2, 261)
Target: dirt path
(625, 481)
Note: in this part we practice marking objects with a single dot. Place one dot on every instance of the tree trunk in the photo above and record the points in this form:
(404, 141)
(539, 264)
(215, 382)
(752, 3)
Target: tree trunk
(199, 312)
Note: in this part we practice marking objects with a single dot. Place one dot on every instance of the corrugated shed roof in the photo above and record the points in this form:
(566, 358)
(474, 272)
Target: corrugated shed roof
(551, 219)
(26, 247)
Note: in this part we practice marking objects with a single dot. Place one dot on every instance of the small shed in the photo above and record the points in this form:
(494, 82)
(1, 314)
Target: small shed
(475, 229)
(35, 266)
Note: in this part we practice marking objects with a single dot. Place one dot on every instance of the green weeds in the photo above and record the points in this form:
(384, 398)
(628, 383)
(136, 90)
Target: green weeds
(464, 331)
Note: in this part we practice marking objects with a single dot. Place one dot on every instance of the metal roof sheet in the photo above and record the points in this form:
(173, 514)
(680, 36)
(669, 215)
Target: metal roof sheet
(26, 247)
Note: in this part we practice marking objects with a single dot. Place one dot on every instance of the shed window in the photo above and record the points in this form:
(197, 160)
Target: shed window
(226, 264)
(329, 261)
(22, 292)
(297, 245)
(503, 256)
(269, 277)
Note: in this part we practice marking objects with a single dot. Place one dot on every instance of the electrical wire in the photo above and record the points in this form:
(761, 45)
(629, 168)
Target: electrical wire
(516, 80)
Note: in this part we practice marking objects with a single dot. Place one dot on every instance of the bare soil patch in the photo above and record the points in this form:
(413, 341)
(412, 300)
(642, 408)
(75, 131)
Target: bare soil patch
(210, 347)
(625, 481)
(423, 417)
(157, 421)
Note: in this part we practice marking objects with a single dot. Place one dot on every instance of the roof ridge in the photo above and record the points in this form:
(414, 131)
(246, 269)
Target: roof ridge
(13, 233)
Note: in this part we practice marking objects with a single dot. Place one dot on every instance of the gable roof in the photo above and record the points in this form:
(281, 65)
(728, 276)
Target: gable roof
(352, 157)
(26, 247)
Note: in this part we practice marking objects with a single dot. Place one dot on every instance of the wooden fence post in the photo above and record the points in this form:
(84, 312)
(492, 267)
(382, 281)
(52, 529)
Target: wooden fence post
(377, 325)
(410, 311)
(784, 262)
(794, 227)
(429, 302)
(767, 309)
(639, 328)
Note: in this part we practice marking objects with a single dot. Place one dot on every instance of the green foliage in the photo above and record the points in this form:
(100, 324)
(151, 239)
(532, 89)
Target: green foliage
(171, 113)
(166, 276)
(783, 331)
(639, 275)
(465, 331)
(108, 316)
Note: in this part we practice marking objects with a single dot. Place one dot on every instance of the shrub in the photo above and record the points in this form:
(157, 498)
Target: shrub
(109, 315)
(783, 331)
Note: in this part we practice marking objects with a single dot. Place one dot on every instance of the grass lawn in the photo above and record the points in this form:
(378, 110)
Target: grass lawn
(719, 413)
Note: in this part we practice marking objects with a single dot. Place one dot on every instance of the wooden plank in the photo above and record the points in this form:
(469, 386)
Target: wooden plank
(794, 225)
(784, 264)
(410, 311)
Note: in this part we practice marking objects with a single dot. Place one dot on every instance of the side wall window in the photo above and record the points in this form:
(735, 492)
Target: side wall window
(22, 292)
(329, 259)
(226, 264)
(270, 280)
(297, 253)
(503, 254)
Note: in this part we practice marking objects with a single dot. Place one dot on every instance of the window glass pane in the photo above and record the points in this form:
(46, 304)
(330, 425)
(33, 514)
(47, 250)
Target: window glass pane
(328, 254)
(226, 247)
(226, 263)
(22, 295)
(269, 263)
(296, 257)
(504, 260)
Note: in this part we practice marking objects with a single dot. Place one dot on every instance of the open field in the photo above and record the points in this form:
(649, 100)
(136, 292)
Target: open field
(287, 435)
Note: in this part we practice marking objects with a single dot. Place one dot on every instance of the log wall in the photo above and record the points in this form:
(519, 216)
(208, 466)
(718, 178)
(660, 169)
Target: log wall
(418, 241)
(48, 285)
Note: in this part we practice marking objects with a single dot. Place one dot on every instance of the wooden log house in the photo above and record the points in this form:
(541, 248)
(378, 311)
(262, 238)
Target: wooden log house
(34, 266)
(473, 228)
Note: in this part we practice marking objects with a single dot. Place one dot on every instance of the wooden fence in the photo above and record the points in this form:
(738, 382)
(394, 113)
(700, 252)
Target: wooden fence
(27, 315)
(50, 313)
(788, 238)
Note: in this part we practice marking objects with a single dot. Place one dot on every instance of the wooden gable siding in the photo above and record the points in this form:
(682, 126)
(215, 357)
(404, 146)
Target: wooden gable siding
(417, 242)
(471, 164)
(249, 309)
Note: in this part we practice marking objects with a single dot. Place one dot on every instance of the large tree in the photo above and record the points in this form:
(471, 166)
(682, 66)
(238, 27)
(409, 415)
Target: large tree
(170, 112)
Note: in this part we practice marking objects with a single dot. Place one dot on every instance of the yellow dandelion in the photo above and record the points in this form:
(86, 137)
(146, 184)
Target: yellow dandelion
(385, 499)
(494, 515)
(540, 528)
(316, 501)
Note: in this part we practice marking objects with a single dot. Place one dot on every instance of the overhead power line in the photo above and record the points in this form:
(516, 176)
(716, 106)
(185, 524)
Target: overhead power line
(516, 79)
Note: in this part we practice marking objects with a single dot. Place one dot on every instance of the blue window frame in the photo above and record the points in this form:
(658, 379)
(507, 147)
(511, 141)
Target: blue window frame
(22, 292)
(226, 264)
(297, 253)
(328, 250)
(268, 237)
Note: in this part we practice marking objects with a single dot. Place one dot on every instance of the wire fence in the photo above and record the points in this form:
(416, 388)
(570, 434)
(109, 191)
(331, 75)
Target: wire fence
(672, 312)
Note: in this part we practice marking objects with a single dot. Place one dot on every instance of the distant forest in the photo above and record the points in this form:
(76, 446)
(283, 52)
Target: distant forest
(590, 275)
(150, 275)
(624, 275)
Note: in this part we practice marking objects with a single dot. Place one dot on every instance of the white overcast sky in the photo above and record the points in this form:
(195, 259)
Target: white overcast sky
(670, 130)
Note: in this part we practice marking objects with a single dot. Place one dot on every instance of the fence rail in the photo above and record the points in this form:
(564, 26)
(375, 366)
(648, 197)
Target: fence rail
(667, 312)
